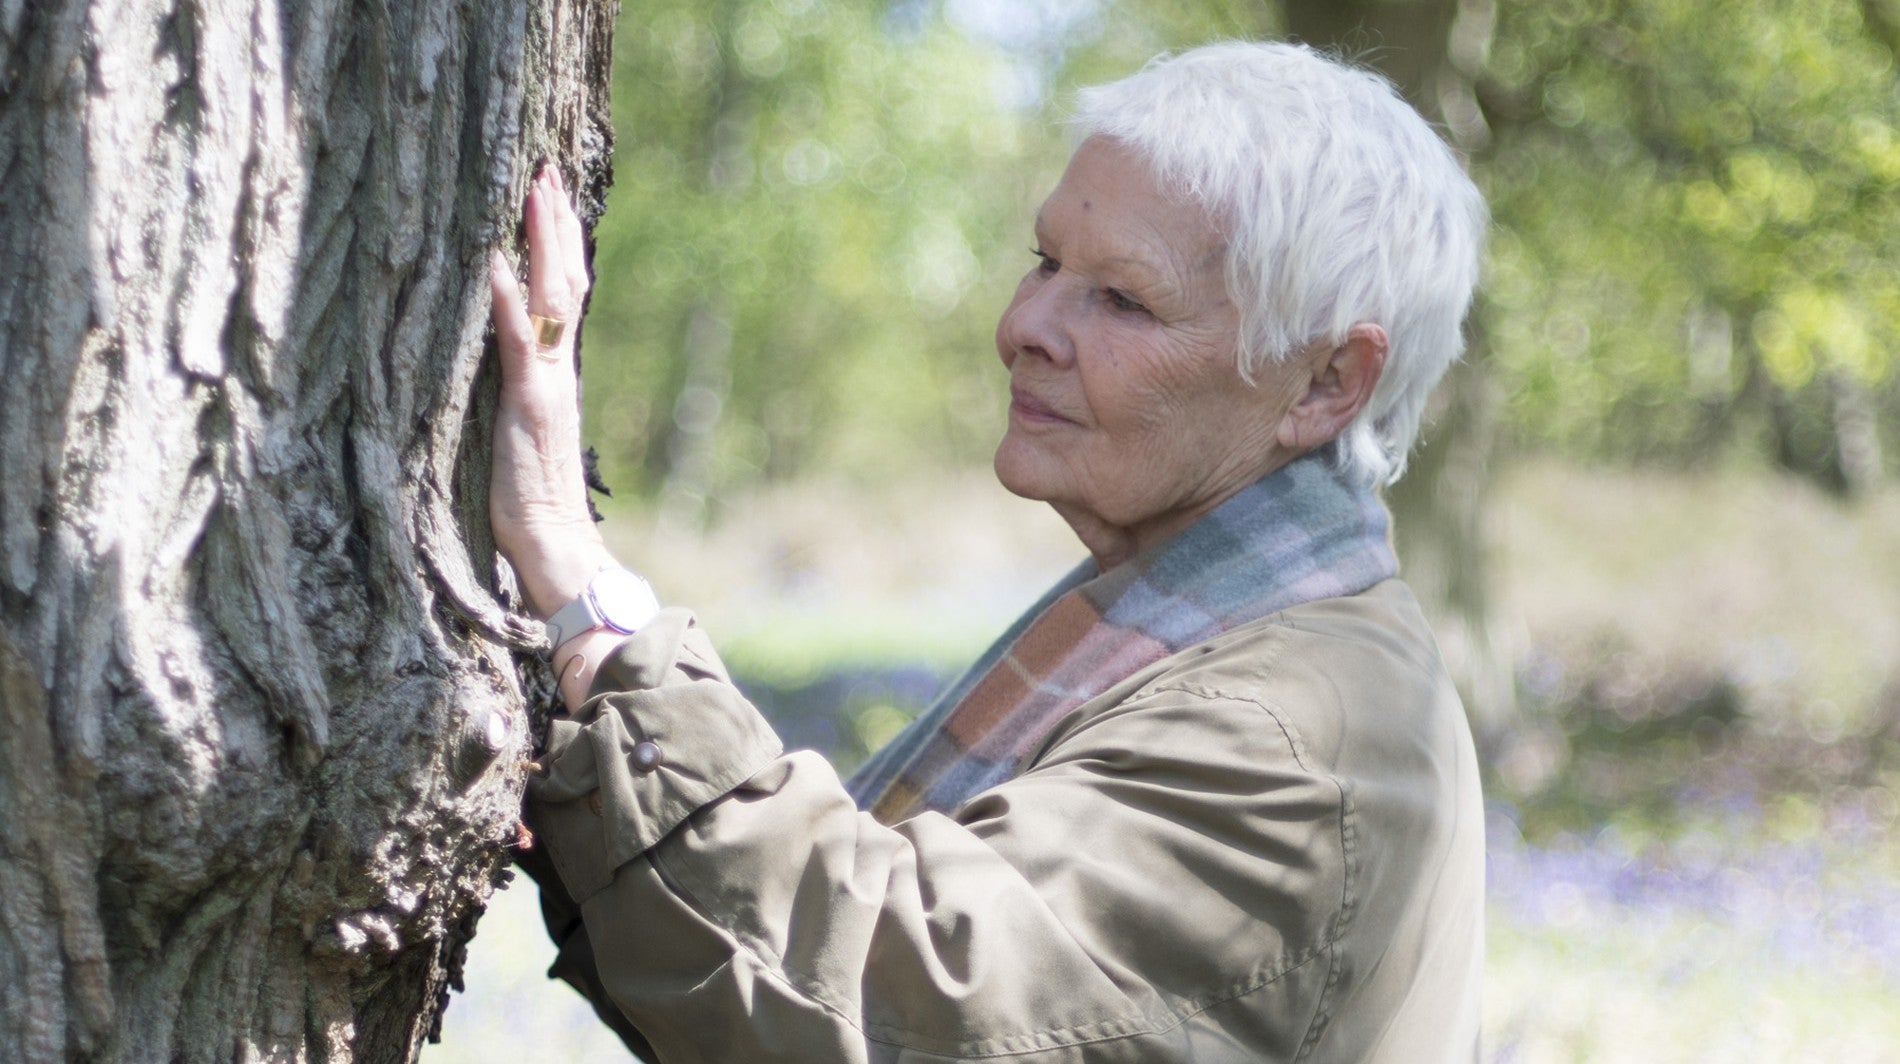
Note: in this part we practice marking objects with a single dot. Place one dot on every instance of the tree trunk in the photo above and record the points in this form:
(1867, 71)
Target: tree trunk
(692, 466)
(261, 729)
(690, 406)
(1856, 422)
(1434, 50)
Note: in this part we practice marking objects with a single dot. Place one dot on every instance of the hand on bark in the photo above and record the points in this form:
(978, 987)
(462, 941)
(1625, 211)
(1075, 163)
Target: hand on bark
(537, 495)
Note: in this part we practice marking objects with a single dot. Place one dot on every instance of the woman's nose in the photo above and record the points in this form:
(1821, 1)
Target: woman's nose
(1036, 322)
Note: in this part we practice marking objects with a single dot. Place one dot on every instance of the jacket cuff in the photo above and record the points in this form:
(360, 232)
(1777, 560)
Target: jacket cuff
(663, 733)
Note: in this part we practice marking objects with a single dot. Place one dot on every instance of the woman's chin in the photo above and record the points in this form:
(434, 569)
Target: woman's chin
(1020, 469)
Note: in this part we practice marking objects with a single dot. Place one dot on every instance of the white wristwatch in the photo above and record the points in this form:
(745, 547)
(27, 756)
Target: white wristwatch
(615, 598)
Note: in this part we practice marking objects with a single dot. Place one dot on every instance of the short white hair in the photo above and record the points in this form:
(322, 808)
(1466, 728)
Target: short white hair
(1339, 203)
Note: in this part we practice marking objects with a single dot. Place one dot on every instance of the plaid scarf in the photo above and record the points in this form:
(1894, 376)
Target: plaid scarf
(1299, 534)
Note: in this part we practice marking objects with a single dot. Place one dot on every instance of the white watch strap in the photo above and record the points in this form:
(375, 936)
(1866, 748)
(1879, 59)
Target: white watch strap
(571, 620)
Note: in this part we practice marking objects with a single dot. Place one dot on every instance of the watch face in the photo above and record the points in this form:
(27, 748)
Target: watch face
(624, 601)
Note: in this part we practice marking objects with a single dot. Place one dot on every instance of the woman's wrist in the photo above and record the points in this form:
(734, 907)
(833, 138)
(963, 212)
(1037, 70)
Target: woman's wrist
(553, 576)
(577, 660)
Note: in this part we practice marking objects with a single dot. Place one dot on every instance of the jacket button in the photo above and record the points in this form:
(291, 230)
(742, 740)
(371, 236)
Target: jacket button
(648, 756)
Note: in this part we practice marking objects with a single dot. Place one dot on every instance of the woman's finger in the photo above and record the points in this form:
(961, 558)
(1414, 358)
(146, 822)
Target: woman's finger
(548, 293)
(514, 334)
(573, 241)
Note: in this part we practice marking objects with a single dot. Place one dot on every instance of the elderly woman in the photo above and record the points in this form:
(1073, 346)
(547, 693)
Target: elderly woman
(1212, 798)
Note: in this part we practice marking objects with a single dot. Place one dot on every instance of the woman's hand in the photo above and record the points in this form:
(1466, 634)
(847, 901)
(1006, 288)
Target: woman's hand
(537, 495)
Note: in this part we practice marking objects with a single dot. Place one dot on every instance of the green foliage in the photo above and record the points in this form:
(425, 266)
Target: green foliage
(1696, 212)
(815, 189)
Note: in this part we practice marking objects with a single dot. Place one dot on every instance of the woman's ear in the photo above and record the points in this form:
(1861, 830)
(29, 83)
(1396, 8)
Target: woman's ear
(1340, 385)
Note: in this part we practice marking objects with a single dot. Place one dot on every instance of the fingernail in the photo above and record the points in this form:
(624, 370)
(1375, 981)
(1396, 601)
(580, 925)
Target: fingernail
(559, 185)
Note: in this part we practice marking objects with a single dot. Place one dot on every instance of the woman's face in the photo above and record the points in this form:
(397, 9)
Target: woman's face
(1127, 410)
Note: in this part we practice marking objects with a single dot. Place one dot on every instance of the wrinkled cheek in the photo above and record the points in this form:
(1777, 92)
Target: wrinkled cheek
(1127, 469)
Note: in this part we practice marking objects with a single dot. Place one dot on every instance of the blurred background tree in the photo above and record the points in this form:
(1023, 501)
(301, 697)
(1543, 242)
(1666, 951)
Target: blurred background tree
(1697, 229)
(807, 194)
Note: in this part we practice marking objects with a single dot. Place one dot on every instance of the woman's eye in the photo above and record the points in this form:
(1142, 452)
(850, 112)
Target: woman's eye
(1044, 263)
(1121, 300)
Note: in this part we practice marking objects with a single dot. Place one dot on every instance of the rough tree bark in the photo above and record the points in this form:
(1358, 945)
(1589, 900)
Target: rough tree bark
(261, 727)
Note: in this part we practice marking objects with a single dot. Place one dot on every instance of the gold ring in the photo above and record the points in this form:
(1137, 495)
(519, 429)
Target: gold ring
(547, 331)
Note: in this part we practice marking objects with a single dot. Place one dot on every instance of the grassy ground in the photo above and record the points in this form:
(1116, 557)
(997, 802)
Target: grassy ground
(1787, 594)
(1692, 854)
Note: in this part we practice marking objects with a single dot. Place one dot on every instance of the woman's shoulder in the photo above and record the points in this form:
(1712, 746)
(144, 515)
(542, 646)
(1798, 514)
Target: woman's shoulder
(1382, 626)
(1315, 763)
(1359, 673)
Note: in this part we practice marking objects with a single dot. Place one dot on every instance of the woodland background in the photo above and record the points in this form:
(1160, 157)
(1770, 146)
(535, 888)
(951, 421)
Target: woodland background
(1684, 368)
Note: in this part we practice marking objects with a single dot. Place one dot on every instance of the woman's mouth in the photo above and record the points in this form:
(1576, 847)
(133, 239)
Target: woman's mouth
(1026, 407)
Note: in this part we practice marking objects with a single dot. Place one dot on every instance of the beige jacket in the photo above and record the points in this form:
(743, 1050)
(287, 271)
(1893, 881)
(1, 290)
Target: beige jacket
(1268, 847)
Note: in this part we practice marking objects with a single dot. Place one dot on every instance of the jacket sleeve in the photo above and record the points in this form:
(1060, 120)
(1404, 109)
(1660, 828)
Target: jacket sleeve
(574, 951)
(1164, 884)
